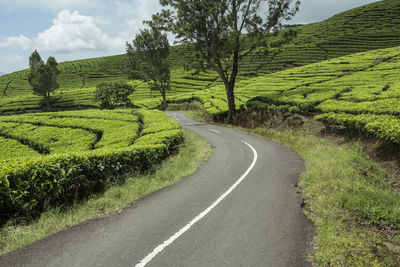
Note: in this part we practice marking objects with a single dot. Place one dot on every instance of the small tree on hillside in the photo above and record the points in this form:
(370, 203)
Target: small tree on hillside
(113, 94)
(152, 48)
(34, 59)
(43, 77)
(216, 28)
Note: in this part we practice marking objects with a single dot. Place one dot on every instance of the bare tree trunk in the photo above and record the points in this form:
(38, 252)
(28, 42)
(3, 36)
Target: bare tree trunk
(230, 86)
(231, 102)
(163, 94)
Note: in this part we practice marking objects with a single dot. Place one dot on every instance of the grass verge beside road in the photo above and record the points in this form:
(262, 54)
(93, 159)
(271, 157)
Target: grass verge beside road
(348, 198)
(351, 227)
(190, 157)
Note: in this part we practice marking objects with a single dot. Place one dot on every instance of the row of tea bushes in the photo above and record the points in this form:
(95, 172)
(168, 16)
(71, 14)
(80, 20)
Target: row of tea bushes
(29, 185)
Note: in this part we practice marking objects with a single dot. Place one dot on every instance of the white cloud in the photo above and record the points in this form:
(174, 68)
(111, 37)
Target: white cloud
(72, 31)
(135, 13)
(20, 41)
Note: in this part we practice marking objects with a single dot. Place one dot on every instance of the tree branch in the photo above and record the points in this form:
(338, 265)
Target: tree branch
(245, 16)
(254, 46)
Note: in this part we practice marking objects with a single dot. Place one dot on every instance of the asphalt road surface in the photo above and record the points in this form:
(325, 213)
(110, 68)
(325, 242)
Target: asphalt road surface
(240, 209)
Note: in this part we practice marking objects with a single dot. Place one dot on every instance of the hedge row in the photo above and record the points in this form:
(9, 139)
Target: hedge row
(384, 127)
(29, 186)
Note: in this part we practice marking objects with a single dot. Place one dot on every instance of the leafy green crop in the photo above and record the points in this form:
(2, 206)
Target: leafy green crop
(374, 26)
(31, 181)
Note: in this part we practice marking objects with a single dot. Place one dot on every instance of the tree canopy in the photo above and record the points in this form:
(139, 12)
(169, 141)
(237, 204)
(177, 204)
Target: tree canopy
(113, 94)
(34, 59)
(151, 48)
(216, 29)
(43, 77)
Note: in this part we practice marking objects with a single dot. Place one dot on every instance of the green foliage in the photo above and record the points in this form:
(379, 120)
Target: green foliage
(34, 59)
(374, 26)
(11, 148)
(360, 91)
(378, 206)
(132, 63)
(49, 139)
(357, 84)
(113, 94)
(382, 126)
(257, 106)
(100, 123)
(152, 48)
(339, 185)
(31, 184)
(43, 77)
(215, 27)
(271, 109)
(192, 153)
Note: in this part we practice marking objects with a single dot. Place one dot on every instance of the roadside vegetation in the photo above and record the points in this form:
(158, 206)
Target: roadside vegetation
(319, 80)
(192, 153)
(78, 153)
(360, 92)
(347, 196)
(349, 200)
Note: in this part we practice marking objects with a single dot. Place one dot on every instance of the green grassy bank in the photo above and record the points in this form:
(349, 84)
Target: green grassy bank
(348, 199)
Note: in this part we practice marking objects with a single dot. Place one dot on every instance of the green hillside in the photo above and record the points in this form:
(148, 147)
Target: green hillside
(369, 27)
(360, 91)
(373, 26)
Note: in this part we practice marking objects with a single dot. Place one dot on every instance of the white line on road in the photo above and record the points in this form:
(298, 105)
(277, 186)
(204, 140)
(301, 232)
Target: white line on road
(166, 243)
(215, 131)
(191, 124)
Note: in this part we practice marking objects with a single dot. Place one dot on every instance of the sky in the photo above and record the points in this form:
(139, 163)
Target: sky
(78, 29)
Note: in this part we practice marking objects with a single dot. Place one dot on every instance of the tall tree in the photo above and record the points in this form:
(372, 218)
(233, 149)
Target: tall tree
(216, 28)
(34, 59)
(43, 77)
(152, 48)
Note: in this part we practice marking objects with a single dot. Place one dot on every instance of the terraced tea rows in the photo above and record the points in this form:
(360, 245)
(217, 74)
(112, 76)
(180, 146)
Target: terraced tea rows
(65, 155)
(369, 27)
(360, 91)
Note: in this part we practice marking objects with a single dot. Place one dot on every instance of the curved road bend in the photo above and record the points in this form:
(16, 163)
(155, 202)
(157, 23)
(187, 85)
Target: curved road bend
(240, 209)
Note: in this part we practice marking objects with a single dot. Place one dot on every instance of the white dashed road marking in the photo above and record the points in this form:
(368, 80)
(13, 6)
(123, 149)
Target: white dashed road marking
(215, 131)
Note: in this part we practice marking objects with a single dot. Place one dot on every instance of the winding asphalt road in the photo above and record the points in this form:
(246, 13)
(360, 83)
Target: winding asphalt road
(240, 209)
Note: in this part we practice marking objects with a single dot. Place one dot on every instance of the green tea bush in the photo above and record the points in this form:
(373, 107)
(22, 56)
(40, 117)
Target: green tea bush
(30, 185)
(384, 127)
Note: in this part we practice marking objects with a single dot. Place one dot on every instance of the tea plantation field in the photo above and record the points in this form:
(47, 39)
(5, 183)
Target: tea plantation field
(360, 91)
(373, 26)
(60, 157)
